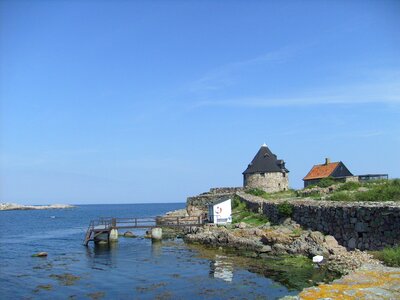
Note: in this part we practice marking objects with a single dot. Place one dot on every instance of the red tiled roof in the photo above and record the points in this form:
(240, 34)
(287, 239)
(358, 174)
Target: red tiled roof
(321, 171)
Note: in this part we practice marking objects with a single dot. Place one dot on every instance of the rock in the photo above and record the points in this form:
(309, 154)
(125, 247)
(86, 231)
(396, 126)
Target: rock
(258, 232)
(331, 242)
(14, 206)
(265, 226)
(317, 237)
(241, 225)
(279, 249)
(265, 249)
(352, 243)
(129, 234)
(40, 254)
(276, 236)
(287, 221)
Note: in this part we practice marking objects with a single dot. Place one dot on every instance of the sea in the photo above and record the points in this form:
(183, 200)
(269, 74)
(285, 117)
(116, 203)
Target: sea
(132, 268)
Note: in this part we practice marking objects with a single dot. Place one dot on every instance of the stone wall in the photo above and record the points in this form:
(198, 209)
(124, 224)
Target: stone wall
(198, 205)
(269, 182)
(362, 225)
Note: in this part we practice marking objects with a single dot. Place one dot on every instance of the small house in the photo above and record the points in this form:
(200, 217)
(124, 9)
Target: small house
(335, 170)
(266, 172)
(220, 211)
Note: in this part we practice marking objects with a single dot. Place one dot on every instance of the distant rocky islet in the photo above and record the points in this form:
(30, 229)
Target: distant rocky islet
(15, 206)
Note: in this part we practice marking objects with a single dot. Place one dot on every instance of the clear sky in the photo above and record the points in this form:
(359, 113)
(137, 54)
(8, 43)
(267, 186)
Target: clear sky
(153, 101)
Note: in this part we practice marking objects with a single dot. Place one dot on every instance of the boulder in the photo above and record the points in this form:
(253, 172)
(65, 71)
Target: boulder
(331, 242)
(265, 249)
(241, 225)
(279, 249)
(317, 237)
(129, 234)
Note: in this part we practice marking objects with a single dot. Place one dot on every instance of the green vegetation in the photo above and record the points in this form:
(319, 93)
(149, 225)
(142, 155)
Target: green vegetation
(349, 186)
(269, 196)
(285, 209)
(378, 190)
(326, 182)
(385, 190)
(257, 192)
(241, 213)
(323, 183)
(340, 196)
(390, 256)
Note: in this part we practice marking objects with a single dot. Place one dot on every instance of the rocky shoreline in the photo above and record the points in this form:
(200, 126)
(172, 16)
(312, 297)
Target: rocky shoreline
(285, 239)
(14, 206)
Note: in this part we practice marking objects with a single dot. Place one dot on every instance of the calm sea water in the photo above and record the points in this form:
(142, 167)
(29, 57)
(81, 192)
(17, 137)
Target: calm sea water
(130, 269)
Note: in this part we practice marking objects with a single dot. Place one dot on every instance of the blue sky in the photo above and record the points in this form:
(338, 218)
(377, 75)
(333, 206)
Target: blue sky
(153, 101)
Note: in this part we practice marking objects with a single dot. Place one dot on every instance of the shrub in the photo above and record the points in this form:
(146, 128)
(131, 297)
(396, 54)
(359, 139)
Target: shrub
(386, 191)
(241, 213)
(326, 182)
(340, 196)
(390, 256)
(237, 203)
(349, 186)
(285, 209)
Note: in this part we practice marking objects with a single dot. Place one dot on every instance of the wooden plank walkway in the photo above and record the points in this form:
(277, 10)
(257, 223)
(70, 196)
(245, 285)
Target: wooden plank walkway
(105, 225)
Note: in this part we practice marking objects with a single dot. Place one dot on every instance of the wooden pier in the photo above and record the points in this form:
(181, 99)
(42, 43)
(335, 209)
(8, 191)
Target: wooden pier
(104, 226)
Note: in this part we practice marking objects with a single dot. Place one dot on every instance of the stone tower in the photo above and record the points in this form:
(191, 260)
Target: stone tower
(266, 172)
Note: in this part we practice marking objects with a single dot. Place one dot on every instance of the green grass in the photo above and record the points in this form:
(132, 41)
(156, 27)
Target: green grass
(349, 186)
(257, 192)
(340, 196)
(383, 190)
(387, 191)
(290, 193)
(390, 256)
(240, 213)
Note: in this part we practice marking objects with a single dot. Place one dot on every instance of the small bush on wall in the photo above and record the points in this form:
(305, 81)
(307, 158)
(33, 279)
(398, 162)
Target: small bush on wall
(285, 209)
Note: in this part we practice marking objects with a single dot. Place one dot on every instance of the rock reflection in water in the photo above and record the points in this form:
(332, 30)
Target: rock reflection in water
(156, 248)
(222, 268)
(102, 255)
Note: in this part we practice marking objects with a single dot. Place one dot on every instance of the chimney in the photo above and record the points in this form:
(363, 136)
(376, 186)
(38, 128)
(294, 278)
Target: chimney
(327, 161)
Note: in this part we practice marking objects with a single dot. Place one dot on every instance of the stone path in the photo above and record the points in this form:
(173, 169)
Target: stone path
(368, 282)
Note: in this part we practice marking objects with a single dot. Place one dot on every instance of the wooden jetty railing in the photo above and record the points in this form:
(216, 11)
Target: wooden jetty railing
(104, 225)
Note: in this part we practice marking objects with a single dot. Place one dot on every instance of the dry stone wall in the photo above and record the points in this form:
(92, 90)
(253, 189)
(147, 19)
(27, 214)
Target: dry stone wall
(361, 225)
(198, 205)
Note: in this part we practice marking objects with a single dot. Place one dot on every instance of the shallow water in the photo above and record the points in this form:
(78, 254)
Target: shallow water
(133, 268)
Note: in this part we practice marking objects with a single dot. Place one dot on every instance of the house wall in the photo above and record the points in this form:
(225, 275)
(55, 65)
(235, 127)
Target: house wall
(269, 182)
(342, 179)
(222, 211)
(341, 171)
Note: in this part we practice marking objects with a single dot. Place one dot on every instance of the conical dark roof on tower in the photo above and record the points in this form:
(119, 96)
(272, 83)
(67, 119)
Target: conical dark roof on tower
(264, 162)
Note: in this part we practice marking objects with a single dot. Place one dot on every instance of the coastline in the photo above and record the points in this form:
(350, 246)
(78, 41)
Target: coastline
(15, 206)
(294, 235)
